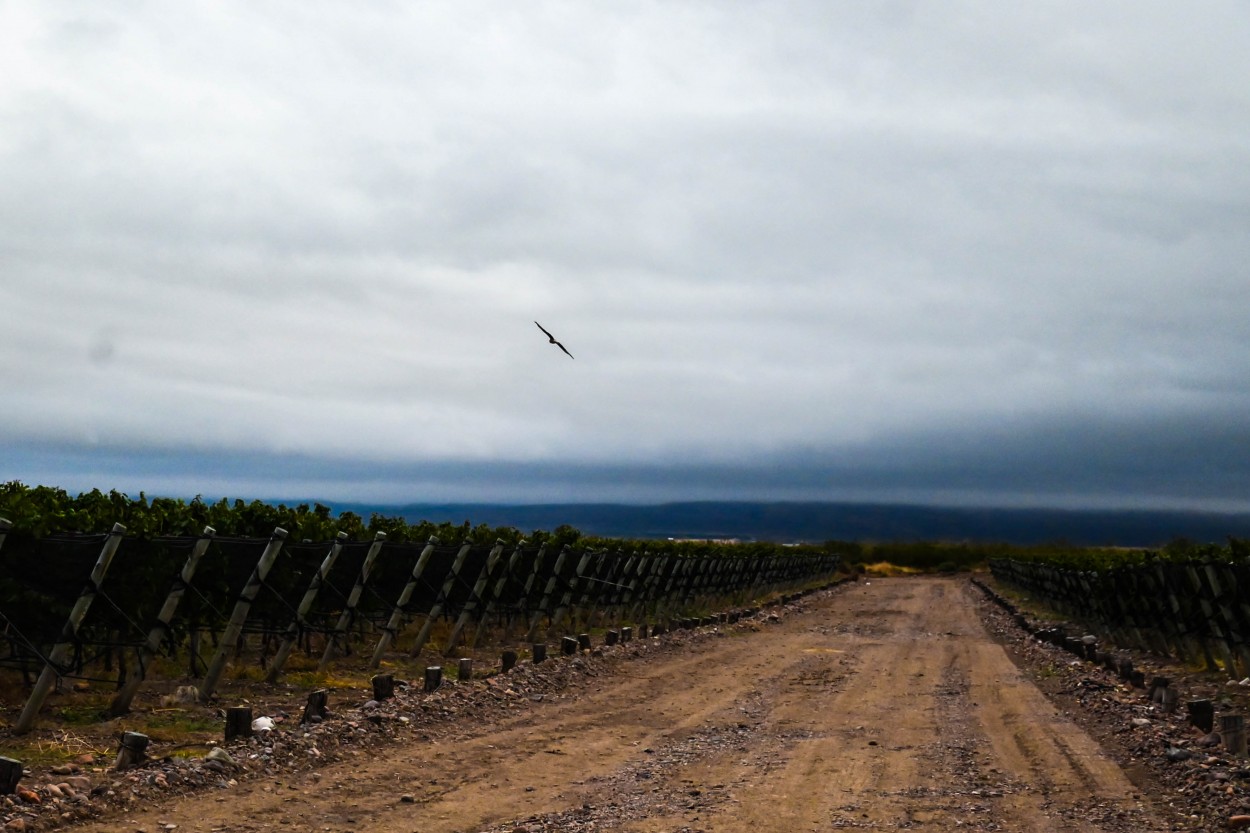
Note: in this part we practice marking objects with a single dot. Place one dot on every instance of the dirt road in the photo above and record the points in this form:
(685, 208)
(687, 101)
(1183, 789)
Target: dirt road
(879, 706)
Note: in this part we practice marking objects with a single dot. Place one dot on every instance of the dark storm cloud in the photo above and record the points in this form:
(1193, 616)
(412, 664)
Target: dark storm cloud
(949, 251)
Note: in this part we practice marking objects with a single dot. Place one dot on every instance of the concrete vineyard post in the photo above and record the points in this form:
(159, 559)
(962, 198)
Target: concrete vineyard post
(497, 592)
(397, 615)
(474, 601)
(121, 702)
(1198, 591)
(589, 582)
(241, 608)
(1234, 638)
(526, 594)
(305, 605)
(544, 605)
(570, 591)
(64, 647)
(353, 599)
(437, 608)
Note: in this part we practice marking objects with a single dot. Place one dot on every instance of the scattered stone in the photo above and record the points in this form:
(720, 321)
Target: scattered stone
(184, 695)
(221, 756)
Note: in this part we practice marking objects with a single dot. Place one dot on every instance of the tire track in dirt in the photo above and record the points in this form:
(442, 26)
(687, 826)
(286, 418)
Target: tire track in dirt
(879, 706)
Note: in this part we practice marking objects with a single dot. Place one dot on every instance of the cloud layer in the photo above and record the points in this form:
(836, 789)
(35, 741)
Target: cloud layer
(946, 253)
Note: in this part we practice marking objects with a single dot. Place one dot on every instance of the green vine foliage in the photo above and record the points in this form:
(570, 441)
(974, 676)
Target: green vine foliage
(40, 511)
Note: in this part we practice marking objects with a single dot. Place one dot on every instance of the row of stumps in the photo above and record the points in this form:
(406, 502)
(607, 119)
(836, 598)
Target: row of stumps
(132, 750)
(1200, 713)
(240, 722)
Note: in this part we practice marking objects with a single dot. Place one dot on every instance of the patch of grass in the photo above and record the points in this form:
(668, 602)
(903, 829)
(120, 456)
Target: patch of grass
(314, 680)
(81, 714)
(48, 748)
(248, 673)
(1047, 671)
(180, 721)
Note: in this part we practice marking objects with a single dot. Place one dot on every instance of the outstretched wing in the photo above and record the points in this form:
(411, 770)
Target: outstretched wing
(552, 339)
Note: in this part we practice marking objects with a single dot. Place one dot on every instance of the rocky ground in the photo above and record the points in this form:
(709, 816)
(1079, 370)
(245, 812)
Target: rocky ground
(1157, 744)
(883, 705)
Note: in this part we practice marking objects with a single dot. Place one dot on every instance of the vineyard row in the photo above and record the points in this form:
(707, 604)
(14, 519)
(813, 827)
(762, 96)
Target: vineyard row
(73, 601)
(1198, 611)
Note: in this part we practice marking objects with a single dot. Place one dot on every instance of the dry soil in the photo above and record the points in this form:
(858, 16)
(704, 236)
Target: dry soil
(883, 705)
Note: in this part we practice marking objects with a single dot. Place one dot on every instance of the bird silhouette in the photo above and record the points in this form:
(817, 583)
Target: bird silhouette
(552, 339)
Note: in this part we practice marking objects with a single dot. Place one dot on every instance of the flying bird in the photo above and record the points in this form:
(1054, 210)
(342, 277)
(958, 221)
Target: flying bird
(552, 339)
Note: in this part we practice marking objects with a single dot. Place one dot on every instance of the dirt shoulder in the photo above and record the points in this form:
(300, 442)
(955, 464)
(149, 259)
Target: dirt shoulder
(882, 705)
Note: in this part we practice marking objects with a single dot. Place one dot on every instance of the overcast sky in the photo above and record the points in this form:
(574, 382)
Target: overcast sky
(955, 252)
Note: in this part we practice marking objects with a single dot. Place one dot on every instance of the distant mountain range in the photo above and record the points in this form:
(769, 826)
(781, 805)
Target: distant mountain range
(815, 522)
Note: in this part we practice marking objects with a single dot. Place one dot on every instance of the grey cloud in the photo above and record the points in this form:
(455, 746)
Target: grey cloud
(770, 233)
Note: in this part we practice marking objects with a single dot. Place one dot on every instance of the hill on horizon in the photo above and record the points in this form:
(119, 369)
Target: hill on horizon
(815, 522)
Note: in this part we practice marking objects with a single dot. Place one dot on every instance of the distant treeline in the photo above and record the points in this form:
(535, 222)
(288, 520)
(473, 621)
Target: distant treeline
(41, 511)
(37, 512)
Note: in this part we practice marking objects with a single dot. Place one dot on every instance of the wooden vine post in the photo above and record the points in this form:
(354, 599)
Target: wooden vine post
(317, 707)
(383, 686)
(235, 626)
(238, 722)
(149, 649)
(305, 605)
(132, 752)
(353, 599)
(10, 774)
(64, 647)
